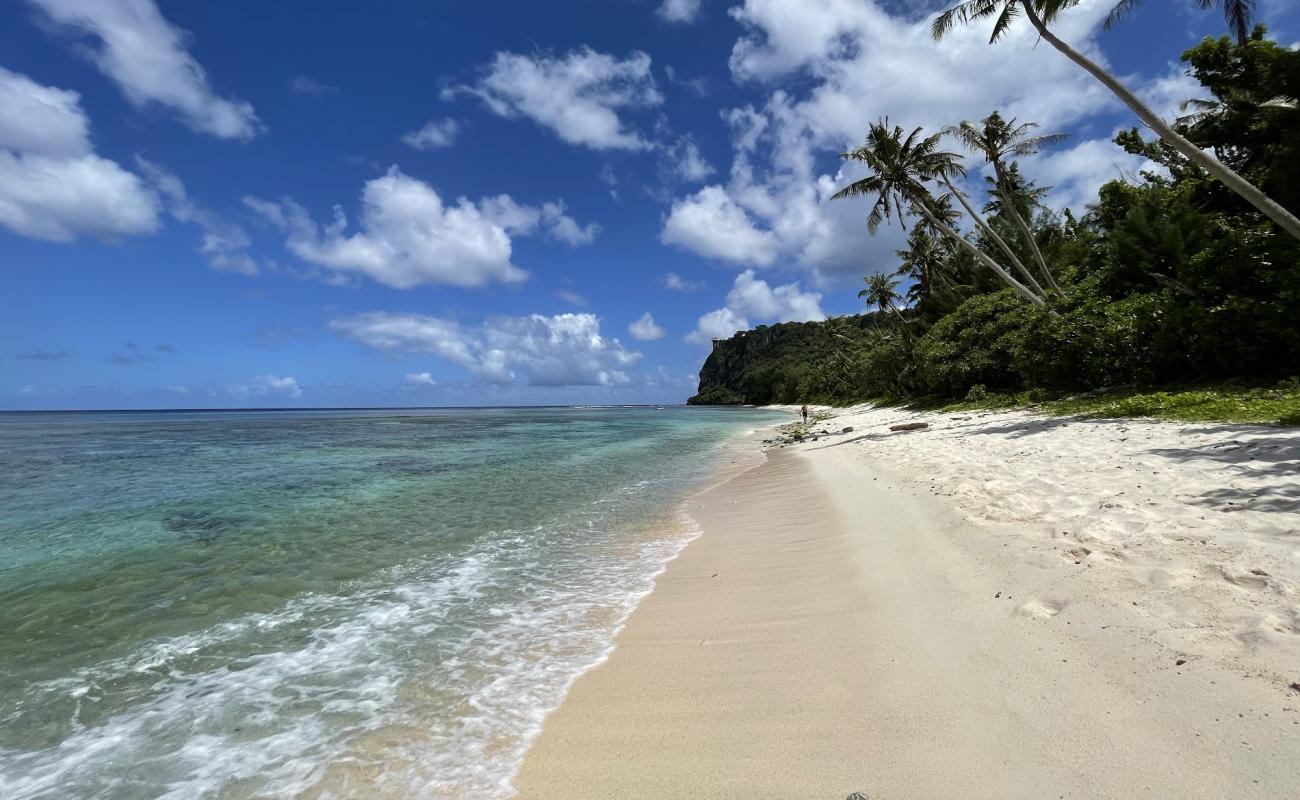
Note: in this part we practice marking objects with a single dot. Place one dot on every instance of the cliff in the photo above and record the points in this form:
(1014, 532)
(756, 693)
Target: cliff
(791, 362)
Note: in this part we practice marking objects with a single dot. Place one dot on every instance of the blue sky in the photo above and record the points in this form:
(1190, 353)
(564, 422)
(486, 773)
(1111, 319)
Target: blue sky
(222, 204)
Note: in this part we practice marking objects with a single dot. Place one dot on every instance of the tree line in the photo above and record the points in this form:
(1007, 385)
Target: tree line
(1186, 274)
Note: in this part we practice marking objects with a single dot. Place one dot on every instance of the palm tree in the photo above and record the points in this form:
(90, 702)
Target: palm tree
(1041, 12)
(998, 139)
(899, 168)
(882, 293)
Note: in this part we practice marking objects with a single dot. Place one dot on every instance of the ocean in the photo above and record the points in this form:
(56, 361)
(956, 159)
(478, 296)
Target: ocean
(322, 604)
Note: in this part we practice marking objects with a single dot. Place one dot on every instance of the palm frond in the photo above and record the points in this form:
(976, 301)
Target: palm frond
(1009, 13)
(1123, 9)
(962, 13)
(1239, 15)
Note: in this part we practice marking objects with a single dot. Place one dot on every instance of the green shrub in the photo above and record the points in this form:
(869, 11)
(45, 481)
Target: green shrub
(974, 344)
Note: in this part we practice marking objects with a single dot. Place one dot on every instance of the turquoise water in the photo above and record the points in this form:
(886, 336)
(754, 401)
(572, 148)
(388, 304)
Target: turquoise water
(321, 604)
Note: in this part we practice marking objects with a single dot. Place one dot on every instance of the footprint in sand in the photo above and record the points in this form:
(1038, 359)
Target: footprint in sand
(1039, 609)
(1167, 579)
(1254, 579)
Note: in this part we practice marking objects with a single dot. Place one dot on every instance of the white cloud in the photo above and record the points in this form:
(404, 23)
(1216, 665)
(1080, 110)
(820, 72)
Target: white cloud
(719, 324)
(679, 10)
(146, 56)
(697, 86)
(1077, 172)
(408, 237)
(524, 220)
(713, 225)
(436, 133)
(559, 350)
(831, 67)
(420, 379)
(645, 329)
(304, 84)
(577, 96)
(684, 161)
(268, 385)
(52, 184)
(60, 198)
(677, 283)
(41, 120)
(1166, 94)
(572, 298)
(562, 227)
(752, 299)
(225, 244)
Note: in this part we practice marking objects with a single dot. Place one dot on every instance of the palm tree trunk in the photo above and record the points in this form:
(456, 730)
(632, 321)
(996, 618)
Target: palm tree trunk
(1024, 273)
(1024, 229)
(981, 255)
(1266, 205)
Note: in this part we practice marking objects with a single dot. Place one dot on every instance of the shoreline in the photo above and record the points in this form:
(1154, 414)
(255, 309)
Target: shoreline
(841, 626)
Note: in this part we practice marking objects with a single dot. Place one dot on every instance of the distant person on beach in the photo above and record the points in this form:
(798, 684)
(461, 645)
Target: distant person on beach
(804, 411)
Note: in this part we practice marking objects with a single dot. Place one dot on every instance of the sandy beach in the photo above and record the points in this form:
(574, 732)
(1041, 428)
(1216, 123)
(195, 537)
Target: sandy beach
(995, 606)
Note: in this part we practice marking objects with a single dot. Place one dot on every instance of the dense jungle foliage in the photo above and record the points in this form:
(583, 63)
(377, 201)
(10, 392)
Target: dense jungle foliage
(1168, 278)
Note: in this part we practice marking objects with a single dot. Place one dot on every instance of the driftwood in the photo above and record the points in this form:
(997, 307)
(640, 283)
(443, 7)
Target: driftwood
(910, 426)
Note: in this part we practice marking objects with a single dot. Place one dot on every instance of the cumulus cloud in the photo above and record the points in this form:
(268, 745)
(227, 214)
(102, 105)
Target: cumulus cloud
(41, 119)
(550, 218)
(52, 184)
(420, 379)
(1076, 173)
(684, 161)
(679, 10)
(645, 329)
(831, 67)
(559, 350)
(577, 96)
(679, 284)
(224, 244)
(409, 237)
(752, 301)
(268, 386)
(712, 224)
(717, 324)
(145, 55)
(436, 133)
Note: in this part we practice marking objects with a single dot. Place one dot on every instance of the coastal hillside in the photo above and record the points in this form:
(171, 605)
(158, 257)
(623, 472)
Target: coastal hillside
(785, 363)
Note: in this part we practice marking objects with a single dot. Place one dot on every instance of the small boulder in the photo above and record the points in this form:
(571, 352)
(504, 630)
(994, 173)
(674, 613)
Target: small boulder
(847, 429)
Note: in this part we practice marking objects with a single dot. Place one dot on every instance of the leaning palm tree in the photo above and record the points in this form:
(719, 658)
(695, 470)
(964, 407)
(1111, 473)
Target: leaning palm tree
(997, 140)
(898, 170)
(1042, 12)
(882, 293)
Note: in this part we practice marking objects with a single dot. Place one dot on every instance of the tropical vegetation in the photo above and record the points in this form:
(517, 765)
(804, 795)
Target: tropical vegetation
(1173, 277)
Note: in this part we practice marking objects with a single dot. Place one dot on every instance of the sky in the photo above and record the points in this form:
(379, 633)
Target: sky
(292, 204)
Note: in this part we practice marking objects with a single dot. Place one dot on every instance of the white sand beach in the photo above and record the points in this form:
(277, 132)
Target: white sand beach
(999, 605)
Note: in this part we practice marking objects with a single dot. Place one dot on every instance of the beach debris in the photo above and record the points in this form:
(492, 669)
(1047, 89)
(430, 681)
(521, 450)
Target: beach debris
(1180, 662)
(857, 796)
(1295, 687)
(847, 429)
(909, 426)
